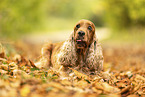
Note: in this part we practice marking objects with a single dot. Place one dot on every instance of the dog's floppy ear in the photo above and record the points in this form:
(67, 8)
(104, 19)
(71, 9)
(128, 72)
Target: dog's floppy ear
(68, 54)
(95, 57)
(95, 42)
(92, 46)
(71, 37)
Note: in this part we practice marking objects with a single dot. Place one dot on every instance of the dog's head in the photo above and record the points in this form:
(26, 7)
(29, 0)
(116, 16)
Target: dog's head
(84, 32)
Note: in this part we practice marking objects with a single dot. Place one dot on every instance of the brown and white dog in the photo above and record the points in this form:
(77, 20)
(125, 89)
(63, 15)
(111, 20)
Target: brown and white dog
(81, 51)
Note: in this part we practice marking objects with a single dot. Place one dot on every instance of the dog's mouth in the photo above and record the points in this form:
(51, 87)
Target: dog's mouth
(81, 43)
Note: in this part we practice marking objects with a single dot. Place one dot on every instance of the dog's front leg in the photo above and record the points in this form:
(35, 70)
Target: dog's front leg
(45, 59)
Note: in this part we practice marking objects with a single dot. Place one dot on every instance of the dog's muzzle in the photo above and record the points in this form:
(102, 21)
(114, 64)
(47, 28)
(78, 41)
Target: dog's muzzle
(81, 43)
(81, 33)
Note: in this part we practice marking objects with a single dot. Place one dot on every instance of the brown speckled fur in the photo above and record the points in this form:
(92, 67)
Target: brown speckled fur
(86, 60)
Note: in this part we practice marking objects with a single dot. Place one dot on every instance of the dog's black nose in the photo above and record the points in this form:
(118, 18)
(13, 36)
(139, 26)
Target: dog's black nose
(81, 33)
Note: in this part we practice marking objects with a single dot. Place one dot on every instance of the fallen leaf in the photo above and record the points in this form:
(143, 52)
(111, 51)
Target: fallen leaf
(2, 51)
(80, 75)
(105, 87)
(25, 90)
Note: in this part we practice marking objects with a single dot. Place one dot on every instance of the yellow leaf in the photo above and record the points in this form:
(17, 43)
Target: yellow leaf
(25, 91)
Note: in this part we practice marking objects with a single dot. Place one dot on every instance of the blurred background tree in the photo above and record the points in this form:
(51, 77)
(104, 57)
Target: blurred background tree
(20, 16)
(124, 13)
(26, 16)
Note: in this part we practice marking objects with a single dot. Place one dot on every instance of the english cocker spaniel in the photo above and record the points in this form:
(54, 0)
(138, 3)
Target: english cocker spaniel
(81, 51)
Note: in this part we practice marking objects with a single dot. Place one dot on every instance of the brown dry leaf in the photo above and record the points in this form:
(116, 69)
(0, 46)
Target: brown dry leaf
(32, 64)
(75, 89)
(15, 84)
(132, 95)
(126, 90)
(22, 62)
(113, 95)
(13, 68)
(4, 67)
(80, 75)
(81, 84)
(16, 57)
(2, 51)
(123, 83)
(136, 88)
(105, 87)
(2, 59)
(2, 54)
(124, 76)
(139, 77)
(97, 90)
(3, 71)
(23, 74)
(31, 81)
(106, 75)
(13, 92)
(57, 86)
(141, 91)
(66, 83)
(3, 83)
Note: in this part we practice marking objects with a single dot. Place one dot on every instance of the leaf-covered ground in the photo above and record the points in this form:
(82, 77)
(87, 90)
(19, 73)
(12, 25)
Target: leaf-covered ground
(123, 74)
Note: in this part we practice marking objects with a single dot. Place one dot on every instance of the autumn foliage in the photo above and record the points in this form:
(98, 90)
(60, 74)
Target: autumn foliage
(123, 75)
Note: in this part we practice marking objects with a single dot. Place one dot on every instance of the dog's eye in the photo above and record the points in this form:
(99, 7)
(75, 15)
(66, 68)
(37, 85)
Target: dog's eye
(78, 26)
(90, 28)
